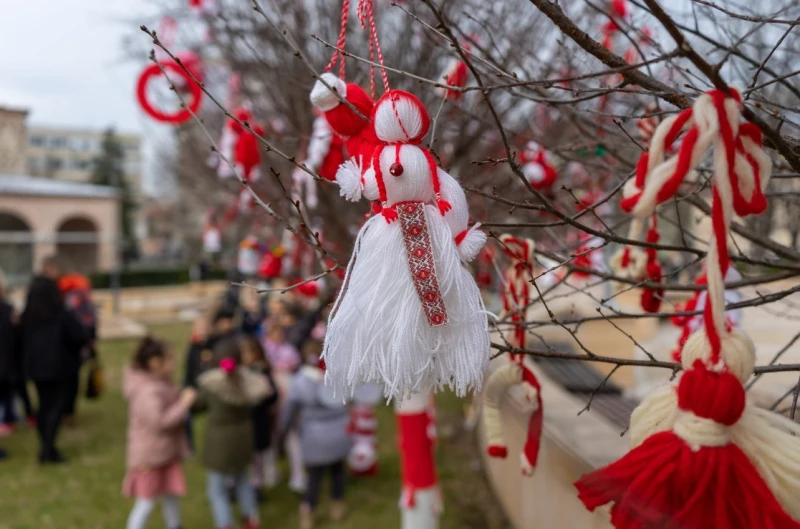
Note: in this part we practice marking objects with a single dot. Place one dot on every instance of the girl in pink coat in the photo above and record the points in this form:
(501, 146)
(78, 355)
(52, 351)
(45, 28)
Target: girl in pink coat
(157, 443)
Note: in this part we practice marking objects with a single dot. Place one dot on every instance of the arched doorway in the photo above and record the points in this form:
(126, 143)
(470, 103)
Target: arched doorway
(78, 244)
(16, 248)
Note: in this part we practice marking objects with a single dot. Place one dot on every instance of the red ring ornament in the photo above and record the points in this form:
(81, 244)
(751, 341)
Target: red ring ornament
(183, 114)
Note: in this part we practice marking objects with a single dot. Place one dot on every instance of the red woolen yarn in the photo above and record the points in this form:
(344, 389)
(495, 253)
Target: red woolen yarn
(343, 120)
(247, 153)
(181, 115)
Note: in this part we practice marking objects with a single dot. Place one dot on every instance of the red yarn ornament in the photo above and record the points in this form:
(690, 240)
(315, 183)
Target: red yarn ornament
(666, 483)
(179, 116)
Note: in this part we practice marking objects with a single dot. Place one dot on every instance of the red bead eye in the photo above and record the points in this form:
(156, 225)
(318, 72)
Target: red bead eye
(396, 169)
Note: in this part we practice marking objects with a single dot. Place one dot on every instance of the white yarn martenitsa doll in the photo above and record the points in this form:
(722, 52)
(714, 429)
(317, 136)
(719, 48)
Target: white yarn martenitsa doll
(409, 315)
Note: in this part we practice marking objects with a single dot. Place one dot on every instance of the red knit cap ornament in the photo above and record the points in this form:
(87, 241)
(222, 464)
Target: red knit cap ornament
(702, 456)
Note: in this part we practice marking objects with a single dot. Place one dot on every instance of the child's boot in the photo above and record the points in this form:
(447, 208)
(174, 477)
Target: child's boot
(306, 516)
(338, 511)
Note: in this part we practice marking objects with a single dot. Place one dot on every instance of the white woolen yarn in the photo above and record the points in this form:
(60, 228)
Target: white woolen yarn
(495, 391)
(348, 176)
(470, 246)
(378, 331)
(322, 97)
(414, 162)
(388, 127)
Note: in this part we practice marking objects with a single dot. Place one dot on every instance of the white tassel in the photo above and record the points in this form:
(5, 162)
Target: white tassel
(348, 176)
(400, 350)
(470, 246)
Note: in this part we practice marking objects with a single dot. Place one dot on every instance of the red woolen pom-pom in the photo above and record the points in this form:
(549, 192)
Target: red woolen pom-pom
(497, 451)
(310, 289)
(711, 395)
(343, 120)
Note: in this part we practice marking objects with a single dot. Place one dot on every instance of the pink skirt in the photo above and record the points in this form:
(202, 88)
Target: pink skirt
(155, 482)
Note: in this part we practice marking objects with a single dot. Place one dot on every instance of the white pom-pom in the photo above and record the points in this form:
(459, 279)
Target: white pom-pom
(348, 176)
(471, 244)
(534, 172)
(322, 97)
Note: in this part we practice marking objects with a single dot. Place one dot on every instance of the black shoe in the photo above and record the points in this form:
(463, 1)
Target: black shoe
(3, 454)
(52, 458)
(57, 458)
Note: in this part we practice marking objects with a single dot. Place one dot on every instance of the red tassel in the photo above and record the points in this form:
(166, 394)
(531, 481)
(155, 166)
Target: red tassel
(666, 484)
(390, 214)
(498, 451)
(444, 206)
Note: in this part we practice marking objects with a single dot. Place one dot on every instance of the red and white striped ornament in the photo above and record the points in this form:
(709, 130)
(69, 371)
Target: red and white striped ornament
(516, 298)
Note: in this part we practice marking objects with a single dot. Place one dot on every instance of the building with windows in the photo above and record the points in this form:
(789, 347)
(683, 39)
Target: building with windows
(41, 217)
(67, 154)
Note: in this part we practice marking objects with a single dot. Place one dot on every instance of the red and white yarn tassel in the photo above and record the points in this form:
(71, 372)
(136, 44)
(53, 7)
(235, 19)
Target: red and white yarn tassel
(420, 501)
(702, 455)
(516, 298)
(537, 166)
(641, 265)
(455, 75)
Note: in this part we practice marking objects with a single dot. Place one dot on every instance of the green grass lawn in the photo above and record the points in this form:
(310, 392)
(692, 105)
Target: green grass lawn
(85, 494)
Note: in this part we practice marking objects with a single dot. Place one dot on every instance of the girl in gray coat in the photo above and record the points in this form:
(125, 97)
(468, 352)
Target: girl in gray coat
(323, 422)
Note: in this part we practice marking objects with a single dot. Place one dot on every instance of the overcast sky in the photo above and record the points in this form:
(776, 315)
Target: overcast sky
(64, 61)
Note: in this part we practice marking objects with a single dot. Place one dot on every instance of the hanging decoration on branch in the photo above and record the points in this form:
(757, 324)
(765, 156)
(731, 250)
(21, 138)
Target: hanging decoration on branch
(692, 323)
(324, 155)
(423, 328)
(180, 79)
(516, 298)
(702, 455)
(456, 75)
(157, 77)
(341, 103)
(537, 166)
(642, 265)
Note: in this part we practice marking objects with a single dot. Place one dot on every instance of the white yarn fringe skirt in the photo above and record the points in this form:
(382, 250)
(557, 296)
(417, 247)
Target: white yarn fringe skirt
(378, 331)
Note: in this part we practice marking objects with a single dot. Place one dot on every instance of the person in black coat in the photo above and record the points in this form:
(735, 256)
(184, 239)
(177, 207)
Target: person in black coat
(51, 340)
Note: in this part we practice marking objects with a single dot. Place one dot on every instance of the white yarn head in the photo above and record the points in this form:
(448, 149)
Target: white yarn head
(322, 97)
(400, 117)
(738, 352)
